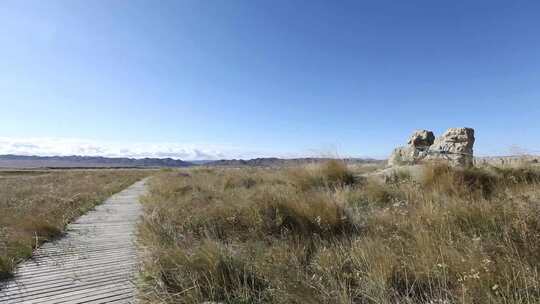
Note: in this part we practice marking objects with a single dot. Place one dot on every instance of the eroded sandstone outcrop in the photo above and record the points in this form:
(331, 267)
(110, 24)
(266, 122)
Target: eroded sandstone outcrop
(455, 146)
(405, 155)
(421, 139)
(416, 148)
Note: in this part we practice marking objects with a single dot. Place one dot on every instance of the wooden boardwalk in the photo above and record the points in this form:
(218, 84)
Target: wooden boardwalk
(94, 263)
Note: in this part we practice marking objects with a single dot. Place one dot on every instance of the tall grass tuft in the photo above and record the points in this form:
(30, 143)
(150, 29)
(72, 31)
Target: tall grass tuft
(317, 234)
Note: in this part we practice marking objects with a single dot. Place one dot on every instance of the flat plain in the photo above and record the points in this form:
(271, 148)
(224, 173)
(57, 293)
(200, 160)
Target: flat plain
(318, 233)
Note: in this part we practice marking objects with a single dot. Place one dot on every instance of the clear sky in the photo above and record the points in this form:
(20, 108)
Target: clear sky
(231, 78)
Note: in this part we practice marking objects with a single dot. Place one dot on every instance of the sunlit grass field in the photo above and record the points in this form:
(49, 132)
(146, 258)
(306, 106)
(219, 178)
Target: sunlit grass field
(36, 205)
(325, 234)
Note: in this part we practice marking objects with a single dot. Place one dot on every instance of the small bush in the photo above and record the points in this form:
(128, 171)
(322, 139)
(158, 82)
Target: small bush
(445, 179)
(305, 178)
(527, 175)
(236, 181)
(333, 173)
(305, 214)
(474, 179)
(336, 173)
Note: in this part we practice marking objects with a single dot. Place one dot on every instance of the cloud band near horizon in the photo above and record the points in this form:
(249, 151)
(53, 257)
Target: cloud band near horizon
(83, 147)
(50, 146)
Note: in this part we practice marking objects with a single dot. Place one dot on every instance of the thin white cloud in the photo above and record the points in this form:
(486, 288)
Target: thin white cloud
(69, 146)
(46, 146)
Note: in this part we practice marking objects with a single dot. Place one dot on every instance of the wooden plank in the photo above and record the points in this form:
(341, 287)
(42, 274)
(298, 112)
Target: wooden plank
(64, 260)
(21, 286)
(126, 298)
(95, 262)
(58, 283)
(77, 265)
(66, 289)
(78, 292)
(97, 251)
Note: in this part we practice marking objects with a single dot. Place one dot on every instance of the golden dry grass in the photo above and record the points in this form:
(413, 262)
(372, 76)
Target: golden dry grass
(36, 205)
(320, 235)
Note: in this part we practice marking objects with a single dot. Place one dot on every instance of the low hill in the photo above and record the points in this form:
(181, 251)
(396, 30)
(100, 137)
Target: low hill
(278, 162)
(29, 162)
(21, 161)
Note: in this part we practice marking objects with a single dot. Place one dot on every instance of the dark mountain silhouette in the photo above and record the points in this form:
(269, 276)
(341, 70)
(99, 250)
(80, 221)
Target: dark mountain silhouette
(22, 161)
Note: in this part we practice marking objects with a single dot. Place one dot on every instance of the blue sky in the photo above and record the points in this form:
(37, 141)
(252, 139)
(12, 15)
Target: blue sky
(212, 79)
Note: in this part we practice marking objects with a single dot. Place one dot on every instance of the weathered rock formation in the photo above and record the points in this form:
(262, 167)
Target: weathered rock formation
(415, 150)
(405, 155)
(421, 139)
(455, 146)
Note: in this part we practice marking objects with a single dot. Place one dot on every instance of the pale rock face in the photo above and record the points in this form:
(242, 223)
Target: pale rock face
(402, 156)
(415, 149)
(421, 139)
(455, 145)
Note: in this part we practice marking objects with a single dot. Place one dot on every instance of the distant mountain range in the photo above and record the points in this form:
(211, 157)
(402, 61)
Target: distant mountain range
(277, 162)
(22, 161)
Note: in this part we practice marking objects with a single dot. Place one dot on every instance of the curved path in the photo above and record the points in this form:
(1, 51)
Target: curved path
(94, 262)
